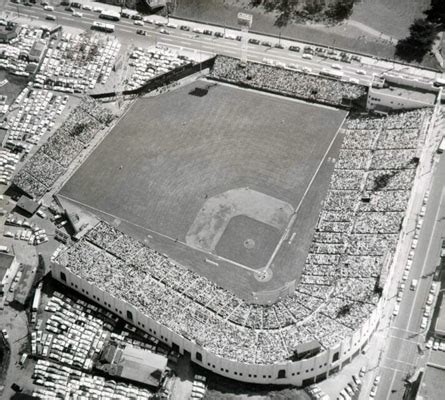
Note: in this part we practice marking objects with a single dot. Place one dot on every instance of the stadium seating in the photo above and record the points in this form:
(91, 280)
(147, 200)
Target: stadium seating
(291, 83)
(337, 290)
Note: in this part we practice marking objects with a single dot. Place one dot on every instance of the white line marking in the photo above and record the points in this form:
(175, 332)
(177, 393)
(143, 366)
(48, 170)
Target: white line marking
(295, 214)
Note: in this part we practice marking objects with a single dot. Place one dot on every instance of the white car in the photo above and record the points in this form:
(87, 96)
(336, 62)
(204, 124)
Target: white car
(442, 346)
(138, 22)
(307, 70)
(373, 391)
(427, 311)
(430, 299)
(396, 310)
(405, 275)
(5, 334)
(399, 296)
(429, 344)
(362, 372)
(48, 8)
(361, 72)
(98, 9)
(336, 66)
(307, 56)
(77, 14)
(354, 80)
(436, 345)
(87, 7)
(424, 323)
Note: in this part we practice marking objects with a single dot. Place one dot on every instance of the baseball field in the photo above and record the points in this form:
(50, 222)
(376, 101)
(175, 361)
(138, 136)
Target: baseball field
(216, 176)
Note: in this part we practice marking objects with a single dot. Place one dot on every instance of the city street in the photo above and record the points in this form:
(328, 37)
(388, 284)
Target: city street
(126, 31)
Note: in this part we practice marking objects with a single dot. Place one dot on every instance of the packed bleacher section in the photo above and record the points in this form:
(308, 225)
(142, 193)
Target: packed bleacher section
(283, 81)
(357, 228)
(51, 160)
(17, 56)
(76, 63)
(148, 63)
(31, 116)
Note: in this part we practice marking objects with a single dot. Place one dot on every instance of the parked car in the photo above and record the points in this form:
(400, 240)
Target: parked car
(254, 41)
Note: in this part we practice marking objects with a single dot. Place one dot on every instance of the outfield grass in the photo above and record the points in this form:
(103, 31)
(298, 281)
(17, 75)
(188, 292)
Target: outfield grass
(169, 153)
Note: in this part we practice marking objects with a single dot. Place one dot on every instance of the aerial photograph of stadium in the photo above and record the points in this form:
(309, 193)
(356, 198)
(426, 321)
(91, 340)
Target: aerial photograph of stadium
(222, 199)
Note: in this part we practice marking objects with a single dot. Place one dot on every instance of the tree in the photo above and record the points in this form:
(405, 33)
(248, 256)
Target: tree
(340, 10)
(419, 42)
(437, 12)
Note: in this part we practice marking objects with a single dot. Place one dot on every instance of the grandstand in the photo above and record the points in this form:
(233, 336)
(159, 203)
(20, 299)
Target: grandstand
(334, 302)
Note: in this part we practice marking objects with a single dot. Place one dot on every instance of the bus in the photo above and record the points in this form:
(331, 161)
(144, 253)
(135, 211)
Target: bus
(441, 147)
(331, 73)
(100, 26)
(111, 15)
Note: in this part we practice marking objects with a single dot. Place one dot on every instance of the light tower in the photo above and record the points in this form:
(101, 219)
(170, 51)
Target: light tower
(245, 22)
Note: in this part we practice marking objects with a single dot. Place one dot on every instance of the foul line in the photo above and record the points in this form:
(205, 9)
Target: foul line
(161, 235)
(295, 214)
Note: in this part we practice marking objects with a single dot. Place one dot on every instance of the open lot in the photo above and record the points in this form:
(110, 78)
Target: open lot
(172, 155)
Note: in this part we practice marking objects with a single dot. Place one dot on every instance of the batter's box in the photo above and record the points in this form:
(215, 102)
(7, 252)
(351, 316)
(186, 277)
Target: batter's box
(241, 225)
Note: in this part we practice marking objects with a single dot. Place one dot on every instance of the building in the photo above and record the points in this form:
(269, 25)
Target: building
(8, 269)
(131, 363)
(37, 50)
(392, 93)
(28, 206)
(439, 328)
(8, 32)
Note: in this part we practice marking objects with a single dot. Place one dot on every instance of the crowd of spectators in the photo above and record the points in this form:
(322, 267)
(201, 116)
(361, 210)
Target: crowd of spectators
(31, 116)
(358, 228)
(17, 56)
(76, 63)
(51, 160)
(148, 63)
(291, 83)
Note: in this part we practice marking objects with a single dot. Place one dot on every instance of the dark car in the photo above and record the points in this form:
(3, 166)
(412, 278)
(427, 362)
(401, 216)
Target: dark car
(254, 41)
(278, 46)
(136, 17)
(208, 32)
(28, 4)
(64, 3)
(266, 44)
(16, 387)
(238, 38)
(184, 28)
(69, 9)
(142, 32)
(294, 48)
(218, 34)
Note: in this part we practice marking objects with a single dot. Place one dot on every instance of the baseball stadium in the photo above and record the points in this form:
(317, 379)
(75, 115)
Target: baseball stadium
(248, 219)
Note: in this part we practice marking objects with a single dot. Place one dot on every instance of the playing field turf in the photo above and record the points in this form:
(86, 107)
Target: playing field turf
(173, 157)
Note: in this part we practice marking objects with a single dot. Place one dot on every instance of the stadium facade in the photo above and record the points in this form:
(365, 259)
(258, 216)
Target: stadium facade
(299, 373)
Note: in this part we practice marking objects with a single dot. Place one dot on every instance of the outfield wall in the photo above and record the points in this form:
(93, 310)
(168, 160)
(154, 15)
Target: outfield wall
(298, 373)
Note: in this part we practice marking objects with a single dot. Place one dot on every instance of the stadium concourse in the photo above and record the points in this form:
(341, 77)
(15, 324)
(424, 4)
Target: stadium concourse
(337, 303)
